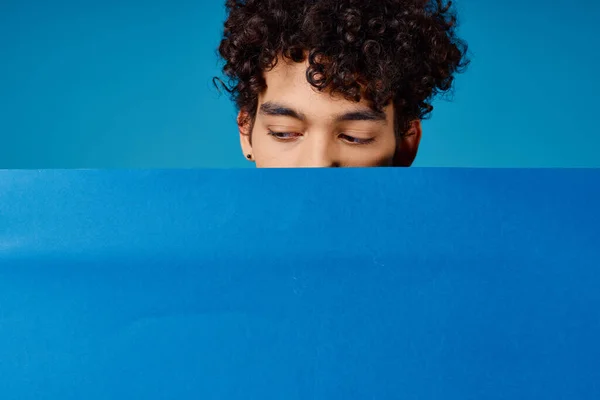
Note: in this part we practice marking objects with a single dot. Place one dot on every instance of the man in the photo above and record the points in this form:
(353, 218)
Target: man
(337, 83)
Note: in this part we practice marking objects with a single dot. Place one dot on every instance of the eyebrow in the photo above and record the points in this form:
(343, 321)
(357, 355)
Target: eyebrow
(280, 110)
(362, 115)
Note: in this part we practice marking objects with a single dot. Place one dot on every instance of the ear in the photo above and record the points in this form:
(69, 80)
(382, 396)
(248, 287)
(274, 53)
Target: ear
(244, 123)
(407, 148)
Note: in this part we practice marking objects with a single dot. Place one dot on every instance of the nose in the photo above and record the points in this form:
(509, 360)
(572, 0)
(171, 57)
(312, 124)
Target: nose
(318, 152)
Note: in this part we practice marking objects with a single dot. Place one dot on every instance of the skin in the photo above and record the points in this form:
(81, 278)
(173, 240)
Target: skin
(298, 126)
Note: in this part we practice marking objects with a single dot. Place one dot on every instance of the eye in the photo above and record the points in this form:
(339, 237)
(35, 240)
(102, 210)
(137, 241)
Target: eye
(354, 140)
(284, 136)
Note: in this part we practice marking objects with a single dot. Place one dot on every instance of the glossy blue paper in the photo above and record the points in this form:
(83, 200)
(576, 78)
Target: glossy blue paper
(300, 284)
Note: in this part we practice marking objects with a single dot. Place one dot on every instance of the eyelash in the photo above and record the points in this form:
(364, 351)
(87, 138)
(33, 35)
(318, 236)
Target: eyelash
(278, 135)
(353, 141)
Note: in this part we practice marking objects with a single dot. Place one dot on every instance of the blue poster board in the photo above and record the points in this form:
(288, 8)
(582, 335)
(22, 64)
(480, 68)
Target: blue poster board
(300, 284)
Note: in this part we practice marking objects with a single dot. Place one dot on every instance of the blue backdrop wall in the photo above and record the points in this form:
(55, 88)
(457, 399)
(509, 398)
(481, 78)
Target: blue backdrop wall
(128, 84)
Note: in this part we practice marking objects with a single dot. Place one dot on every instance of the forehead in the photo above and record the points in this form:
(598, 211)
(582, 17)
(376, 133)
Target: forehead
(287, 84)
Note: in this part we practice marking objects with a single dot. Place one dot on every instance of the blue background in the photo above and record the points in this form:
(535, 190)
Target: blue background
(357, 284)
(128, 84)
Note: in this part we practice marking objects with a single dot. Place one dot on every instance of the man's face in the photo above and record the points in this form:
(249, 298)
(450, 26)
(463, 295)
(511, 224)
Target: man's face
(297, 126)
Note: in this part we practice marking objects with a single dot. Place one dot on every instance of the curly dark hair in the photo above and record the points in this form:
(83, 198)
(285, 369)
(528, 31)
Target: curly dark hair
(399, 51)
